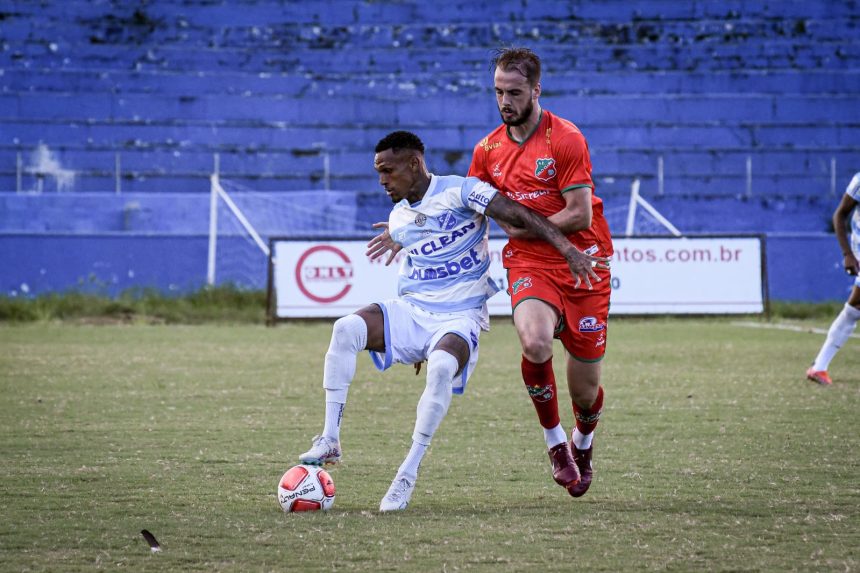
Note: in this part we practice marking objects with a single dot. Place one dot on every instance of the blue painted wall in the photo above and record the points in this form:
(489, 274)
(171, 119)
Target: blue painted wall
(800, 268)
(146, 93)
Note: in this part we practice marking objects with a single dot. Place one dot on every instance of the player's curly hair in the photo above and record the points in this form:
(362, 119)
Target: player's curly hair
(397, 140)
(521, 60)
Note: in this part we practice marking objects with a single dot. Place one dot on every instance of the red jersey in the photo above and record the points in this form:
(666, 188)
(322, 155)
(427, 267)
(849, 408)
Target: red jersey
(536, 173)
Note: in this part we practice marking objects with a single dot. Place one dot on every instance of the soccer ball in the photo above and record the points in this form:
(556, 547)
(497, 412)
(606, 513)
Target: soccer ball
(305, 488)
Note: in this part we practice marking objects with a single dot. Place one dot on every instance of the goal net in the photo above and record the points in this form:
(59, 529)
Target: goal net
(638, 217)
(242, 220)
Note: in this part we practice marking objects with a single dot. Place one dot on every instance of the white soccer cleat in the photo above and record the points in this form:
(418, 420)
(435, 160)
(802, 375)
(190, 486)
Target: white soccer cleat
(323, 452)
(398, 495)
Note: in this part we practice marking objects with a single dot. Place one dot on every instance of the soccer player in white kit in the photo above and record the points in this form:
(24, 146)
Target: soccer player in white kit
(845, 323)
(441, 224)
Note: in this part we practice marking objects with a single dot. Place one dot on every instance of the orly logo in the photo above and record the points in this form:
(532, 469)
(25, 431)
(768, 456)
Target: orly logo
(324, 274)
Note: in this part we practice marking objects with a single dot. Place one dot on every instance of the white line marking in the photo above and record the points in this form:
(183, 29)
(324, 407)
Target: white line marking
(791, 327)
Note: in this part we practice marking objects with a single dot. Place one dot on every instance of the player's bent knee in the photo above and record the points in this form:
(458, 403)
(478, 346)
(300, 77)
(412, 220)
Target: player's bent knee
(537, 350)
(349, 334)
(441, 368)
(348, 338)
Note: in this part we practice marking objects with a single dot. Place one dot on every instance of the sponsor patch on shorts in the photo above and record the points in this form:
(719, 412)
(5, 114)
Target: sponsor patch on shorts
(590, 324)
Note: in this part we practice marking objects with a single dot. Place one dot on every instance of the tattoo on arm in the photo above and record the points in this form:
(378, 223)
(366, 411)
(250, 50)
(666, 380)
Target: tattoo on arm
(503, 209)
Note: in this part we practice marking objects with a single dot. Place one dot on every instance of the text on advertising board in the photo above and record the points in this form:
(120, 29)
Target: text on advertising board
(324, 274)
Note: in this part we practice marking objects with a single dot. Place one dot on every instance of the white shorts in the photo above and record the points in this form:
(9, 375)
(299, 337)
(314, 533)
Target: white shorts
(411, 334)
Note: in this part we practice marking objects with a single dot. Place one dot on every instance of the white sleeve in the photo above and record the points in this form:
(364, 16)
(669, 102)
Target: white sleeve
(853, 189)
(476, 194)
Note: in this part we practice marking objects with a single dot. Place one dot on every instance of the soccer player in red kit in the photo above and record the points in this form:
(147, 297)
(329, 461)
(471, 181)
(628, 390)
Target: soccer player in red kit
(541, 161)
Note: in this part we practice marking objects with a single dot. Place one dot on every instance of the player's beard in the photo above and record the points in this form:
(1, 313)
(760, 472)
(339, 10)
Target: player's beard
(519, 119)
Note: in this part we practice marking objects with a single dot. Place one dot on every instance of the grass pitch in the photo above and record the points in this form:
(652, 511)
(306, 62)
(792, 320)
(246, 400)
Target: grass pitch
(714, 454)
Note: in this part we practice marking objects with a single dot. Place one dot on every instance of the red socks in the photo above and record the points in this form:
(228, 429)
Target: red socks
(586, 420)
(540, 382)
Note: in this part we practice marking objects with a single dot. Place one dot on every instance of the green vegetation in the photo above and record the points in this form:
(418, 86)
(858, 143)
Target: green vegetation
(224, 304)
(219, 304)
(804, 310)
(714, 454)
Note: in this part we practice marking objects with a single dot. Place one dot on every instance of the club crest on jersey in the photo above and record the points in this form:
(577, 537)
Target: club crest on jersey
(590, 324)
(521, 284)
(545, 168)
(420, 219)
(446, 220)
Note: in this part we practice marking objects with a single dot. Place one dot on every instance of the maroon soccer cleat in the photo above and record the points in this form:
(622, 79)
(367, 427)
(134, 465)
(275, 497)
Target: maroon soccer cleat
(564, 470)
(583, 463)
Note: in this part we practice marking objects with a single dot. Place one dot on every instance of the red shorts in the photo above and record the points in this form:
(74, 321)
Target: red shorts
(582, 313)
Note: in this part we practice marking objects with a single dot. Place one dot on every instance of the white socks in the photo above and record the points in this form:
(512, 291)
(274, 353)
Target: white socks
(409, 467)
(839, 332)
(333, 416)
(554, 436)
(580, 440)
(348, 338)
(434, 402)
(432, 407)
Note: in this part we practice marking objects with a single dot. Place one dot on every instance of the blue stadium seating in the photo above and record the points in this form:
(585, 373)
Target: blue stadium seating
(275, 88)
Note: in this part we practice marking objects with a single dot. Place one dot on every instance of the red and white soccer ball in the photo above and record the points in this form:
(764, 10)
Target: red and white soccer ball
(305, 488)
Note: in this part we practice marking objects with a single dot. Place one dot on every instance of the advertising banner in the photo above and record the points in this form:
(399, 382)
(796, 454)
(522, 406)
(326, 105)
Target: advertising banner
(687, 275)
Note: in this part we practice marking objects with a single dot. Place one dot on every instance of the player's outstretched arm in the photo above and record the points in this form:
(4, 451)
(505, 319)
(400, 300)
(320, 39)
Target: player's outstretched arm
(512, 213)
(381, 244)
(575, 216)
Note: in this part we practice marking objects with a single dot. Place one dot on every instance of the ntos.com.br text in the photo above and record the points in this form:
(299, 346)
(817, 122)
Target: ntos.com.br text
(715, 254)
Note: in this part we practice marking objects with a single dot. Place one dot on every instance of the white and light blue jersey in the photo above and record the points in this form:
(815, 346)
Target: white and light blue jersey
(445, 240)
(853, 191)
